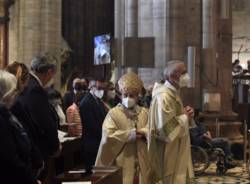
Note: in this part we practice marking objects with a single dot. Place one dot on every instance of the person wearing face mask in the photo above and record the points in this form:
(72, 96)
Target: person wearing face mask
(79, 86)
(16, 148)
(92, 113)
(169, 122)
(110, 96)
(36, 102)
(124, 134)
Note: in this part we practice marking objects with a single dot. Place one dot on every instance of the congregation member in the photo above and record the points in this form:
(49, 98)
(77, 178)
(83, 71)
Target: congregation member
(169, 141)
(16, 149)
(35, 101)
(110, 96)
(22, 75)
(92, 112)
(200, 136)
(55, 100)
(79, 85)
(73, 117)
(124, 134)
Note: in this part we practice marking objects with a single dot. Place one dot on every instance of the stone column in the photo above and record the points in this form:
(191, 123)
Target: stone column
(192, 26)
(131, 23)
(145, 18)
(146, 29)
(225, 57)
(14, 32)
(217, 52)
(159, 31)
(35, 27)
(30, 30)
(176, 19)
(119, 37)
(209, 72)
(51, 31)
(4, 17)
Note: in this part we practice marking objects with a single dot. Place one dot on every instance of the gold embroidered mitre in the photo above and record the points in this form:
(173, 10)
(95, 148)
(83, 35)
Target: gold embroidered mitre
(130, 82)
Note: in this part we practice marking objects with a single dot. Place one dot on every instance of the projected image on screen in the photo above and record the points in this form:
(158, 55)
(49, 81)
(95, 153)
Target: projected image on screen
(102, 49)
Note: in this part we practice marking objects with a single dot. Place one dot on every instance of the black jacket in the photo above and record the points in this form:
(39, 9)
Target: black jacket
(33, 132)
(35, 101)
(15, 152)
(196, 134)
(92, 113)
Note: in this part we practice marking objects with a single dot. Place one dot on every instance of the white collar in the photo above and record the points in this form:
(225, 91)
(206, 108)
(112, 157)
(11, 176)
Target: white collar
(37, 78)
(170, 86)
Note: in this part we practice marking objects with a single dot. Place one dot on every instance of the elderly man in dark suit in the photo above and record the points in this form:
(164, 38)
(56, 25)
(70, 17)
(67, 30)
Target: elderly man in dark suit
(35, 101)
(93, 112)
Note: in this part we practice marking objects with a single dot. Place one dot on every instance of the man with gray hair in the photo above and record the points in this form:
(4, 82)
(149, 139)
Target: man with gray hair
(169, 142)
(34, 100)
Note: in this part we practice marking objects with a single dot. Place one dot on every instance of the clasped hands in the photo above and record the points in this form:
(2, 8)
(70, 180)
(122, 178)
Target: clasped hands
(135, 135)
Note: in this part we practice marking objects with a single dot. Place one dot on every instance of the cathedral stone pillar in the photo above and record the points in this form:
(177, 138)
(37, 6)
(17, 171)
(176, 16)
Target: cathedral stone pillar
(216, 72)
(176, 39)
(35, 27)
(225, 57)
(192, 28)
(4, 19)
(131, 24)
(209, 44)
(146, 29)
(152, 23)
(160, 22)
(119, 39)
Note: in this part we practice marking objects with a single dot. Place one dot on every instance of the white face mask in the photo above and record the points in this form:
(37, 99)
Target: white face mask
(184, 80)
(99, 93)
(128, 102)
(111, 94)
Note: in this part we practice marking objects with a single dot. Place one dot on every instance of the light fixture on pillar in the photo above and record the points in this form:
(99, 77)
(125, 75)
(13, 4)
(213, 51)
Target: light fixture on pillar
(224, 9)
(191, 60)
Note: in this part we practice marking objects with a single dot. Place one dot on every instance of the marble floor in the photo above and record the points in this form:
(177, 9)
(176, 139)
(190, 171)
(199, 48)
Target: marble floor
(238, 175)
